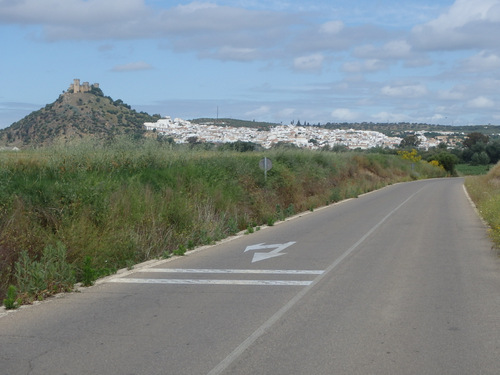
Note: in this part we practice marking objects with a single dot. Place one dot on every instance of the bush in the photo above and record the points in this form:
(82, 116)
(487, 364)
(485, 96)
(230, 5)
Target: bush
(447, 161)
(11, 302)
(38, 279)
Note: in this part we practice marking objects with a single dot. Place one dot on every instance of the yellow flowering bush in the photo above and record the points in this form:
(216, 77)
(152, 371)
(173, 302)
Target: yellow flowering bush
(412, 155)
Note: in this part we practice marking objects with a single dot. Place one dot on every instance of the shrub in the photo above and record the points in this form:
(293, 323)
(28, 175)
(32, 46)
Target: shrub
(51, 274)
(89, 274)
(11, 302)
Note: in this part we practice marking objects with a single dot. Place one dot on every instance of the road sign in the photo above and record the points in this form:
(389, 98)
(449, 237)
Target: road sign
(265, 164)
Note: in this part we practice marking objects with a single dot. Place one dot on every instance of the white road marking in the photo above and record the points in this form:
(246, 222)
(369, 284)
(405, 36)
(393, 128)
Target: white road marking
(233, 271)
(257, 257)
(238, 351)
(211, 282)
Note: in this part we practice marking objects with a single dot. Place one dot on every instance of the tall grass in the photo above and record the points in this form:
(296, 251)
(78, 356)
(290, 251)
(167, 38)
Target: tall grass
(115, 204)
(484, 190)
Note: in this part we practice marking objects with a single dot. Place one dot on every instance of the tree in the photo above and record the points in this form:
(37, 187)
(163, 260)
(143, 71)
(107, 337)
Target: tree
(447, 161)
(480, 158)
(474, 138)
(493, 150)
(410, 141)
(240, 146)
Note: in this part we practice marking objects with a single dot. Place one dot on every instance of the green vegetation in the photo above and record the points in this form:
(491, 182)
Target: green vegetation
(484, 190)
(11, 302)
(471, 170)
(73, 116)
(234, 123)
(82, 211)
(51, 274)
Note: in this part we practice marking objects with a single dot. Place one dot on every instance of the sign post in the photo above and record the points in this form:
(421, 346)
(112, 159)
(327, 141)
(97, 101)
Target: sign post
(265, 164)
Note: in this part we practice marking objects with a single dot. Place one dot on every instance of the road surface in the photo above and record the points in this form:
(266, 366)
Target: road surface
(399, 281)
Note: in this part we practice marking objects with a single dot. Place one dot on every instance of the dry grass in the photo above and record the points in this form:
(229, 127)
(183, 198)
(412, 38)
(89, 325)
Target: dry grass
(484, 190)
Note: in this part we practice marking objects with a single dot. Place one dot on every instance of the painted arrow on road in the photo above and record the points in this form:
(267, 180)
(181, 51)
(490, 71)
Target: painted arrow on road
(274, 253)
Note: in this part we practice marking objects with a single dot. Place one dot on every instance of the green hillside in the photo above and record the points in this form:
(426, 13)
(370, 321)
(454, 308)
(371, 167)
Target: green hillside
(76, 115)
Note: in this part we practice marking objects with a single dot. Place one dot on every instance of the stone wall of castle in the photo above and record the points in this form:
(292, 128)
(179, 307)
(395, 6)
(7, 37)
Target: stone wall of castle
(84, 87)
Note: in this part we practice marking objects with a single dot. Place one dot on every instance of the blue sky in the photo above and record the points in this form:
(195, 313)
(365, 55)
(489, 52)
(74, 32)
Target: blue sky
(432, 61)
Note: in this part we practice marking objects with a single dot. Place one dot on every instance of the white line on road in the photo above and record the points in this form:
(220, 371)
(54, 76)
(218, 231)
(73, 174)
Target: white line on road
(229, 271)
(236, 353)
(211, 282)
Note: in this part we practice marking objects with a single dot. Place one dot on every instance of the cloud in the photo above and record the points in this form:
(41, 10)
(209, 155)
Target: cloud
(437, 118)
(481, 102)
(390, 117)
(370, 65)
(331, 27)
(467, 24)
(309, 63)
(344, 114)
(333, 37)
(484, 61)
(395, 49)
(105, 48)
(405, 91)
(232, 53)
(195, 25)
(286, 112)
(132, 67)
(261, 111)
(450, 94)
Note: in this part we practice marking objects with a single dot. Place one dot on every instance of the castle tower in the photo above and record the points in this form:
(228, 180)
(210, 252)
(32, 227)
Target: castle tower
(76, 85)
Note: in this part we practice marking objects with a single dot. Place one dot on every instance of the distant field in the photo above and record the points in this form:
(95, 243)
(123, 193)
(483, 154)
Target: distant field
(472, 170)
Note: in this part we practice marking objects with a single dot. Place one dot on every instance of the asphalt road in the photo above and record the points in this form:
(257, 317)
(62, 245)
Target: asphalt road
(399, 281)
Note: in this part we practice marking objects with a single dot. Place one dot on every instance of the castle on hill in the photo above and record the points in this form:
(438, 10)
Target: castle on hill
(84, 87)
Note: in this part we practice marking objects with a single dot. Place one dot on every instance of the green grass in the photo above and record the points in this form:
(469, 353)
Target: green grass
(471, 170)
(484, 190)
(117, 204)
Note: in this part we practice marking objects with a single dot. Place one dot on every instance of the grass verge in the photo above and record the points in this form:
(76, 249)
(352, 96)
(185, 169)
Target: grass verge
(110, 206)
(484, 190)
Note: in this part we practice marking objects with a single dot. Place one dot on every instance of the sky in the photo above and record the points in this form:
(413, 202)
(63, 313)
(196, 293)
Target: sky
(417, 61)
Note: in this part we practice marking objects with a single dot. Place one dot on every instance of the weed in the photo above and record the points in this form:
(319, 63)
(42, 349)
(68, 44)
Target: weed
(180, 251)
(11, 302)
(290, 210)
(51, 274)
(232, 226)
(89, 274)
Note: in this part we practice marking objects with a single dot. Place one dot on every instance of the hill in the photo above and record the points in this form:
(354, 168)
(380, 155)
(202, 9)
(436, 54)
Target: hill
(76, 115)
(401, 128)
(234, 123)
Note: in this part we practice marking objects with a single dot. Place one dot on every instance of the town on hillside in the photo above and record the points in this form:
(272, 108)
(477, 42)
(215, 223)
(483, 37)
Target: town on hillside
(311, 137)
